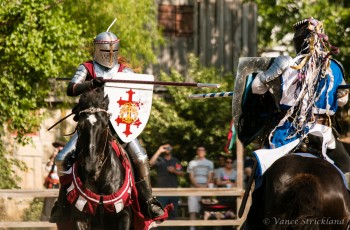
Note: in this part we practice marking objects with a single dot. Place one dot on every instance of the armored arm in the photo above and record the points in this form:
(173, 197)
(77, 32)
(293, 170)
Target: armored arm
(263, 81)
(78, 85)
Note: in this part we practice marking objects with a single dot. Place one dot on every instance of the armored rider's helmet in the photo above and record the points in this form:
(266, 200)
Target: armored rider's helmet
(106, 45)
(303, 34)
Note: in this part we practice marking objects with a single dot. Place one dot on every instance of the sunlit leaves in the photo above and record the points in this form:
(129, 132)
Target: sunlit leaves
(186, 123)
(36, 40)
(136, 25)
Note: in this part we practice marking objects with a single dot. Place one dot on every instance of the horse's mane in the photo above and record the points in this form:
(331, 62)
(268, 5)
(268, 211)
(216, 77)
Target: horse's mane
(94, 98)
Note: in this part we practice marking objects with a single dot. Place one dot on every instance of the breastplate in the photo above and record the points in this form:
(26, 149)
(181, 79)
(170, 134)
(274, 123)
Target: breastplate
(105, 72)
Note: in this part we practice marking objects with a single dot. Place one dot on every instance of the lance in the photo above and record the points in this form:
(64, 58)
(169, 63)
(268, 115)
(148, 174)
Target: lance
(190, 84)
(230, 94)
(210, 95)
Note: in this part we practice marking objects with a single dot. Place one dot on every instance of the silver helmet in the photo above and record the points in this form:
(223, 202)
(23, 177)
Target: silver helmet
(106, 46)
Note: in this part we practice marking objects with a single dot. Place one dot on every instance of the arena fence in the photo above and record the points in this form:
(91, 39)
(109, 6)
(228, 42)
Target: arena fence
(181, 192)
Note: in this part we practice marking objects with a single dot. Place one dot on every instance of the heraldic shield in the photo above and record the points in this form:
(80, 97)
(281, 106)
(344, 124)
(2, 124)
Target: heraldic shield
(252, 113)
(129, 104)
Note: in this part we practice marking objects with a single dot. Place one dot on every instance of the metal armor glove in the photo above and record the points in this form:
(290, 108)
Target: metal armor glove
(97, 82)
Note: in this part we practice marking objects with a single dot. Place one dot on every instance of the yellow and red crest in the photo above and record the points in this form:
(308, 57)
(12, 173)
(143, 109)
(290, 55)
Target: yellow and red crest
(129, 104)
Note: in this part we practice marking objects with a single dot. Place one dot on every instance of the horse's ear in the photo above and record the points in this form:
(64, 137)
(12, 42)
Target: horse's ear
(106, 100)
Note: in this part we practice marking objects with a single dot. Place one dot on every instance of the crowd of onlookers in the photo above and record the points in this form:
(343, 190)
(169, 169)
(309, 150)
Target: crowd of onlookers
(201, 173)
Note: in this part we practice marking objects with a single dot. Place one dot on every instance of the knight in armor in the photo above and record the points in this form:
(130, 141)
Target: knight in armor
(88, 76)
(306, 90)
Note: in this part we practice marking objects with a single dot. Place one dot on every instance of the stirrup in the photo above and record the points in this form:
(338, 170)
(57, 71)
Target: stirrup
(154, 208)
(347, 179)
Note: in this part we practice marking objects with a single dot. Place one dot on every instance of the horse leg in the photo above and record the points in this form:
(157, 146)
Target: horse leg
(124, 219)
(58, 209)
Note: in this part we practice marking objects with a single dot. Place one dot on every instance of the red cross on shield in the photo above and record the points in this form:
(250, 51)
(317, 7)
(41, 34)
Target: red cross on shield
(129, 104)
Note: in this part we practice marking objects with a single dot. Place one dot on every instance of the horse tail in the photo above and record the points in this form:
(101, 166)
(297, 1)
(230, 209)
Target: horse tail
(302, 197)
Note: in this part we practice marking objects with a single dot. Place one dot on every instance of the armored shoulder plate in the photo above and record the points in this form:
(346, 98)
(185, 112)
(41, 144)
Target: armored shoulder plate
(80, 75)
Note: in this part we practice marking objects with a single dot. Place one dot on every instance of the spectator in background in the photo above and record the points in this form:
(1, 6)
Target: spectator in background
(226, 176)
(51, 180)
(219, 164)
(201, 172)
(168, 169)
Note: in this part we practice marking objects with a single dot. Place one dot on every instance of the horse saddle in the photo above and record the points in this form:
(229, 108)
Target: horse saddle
(310, 144)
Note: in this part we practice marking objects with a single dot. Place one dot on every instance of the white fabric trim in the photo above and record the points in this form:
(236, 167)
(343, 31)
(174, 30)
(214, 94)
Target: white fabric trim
(266, 157)
(328, 138)
(81, 202)
(119, 206)
(70, 188)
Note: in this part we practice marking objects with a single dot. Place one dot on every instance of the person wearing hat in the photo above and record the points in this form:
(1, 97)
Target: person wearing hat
(307, 93)
(58, 144)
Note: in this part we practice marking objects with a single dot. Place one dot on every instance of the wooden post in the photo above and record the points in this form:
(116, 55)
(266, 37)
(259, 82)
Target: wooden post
(240, 168)
(240, 163)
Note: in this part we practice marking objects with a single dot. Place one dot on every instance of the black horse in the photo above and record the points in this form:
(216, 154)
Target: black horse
(98, 168)
(300, 193)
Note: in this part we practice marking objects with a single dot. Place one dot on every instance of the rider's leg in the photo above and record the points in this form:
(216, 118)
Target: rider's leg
(63, 160)
(341, 158)
(142, 177)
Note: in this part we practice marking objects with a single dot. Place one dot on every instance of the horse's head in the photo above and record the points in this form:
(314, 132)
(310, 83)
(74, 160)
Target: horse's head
(93, 129)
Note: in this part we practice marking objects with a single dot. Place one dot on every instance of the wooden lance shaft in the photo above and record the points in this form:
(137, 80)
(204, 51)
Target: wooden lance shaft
(230, 94)
(190, 84)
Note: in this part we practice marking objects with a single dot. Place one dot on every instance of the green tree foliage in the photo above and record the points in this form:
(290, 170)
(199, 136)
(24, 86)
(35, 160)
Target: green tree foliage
(41, 39)
(187, 123)
(136, 25)
(37, 39)
(276, 19)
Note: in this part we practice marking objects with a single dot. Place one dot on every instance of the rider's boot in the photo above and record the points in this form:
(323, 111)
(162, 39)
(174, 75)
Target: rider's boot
(341, 158)
(151, 205)
(347, 178)
(64, 160)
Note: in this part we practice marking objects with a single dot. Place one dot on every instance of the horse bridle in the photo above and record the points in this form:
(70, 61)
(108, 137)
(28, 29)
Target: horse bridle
(95, 110)
(98, 110)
